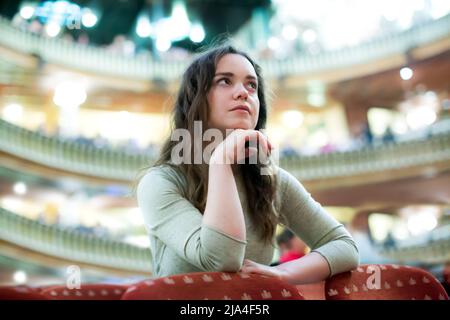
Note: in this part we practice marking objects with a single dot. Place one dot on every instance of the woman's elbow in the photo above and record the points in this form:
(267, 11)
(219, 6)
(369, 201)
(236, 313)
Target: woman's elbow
(233, 265)
(352, 253)
(349, 257)
(224, 264)
(354, 257)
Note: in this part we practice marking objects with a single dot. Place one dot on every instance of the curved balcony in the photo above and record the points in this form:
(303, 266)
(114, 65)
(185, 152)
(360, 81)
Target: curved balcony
(100, 61)
(431, 247)
(119, 165)
(71, 245)
(77, 247)
(437, 251)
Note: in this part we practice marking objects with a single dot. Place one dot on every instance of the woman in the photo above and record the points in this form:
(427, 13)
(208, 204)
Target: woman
(218, 215)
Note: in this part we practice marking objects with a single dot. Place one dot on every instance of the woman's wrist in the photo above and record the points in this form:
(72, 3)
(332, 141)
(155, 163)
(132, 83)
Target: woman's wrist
(218, 157)
(282, 273)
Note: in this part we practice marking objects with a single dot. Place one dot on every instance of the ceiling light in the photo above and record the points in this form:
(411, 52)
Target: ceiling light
(20, 188)
(273, 43)
(69, 94)
(197, 33)
(406, 73)
(309, 36)
(420, 117)
(143, 28)
(12, 112)
(52, 29)
(290, 32)
(26, 12)
(20, 277)
(88, 19)
(162, 44)
(292, 119)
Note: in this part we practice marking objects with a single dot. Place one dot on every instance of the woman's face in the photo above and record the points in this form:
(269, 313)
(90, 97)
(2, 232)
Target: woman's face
(233, 98)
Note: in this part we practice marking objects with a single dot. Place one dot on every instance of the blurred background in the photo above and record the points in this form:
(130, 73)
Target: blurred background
(360, 112)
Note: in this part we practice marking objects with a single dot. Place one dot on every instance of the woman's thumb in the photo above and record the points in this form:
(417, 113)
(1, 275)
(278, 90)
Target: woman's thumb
(250, 151)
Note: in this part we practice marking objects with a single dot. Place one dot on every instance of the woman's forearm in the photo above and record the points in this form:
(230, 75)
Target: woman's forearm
(223, 211)
(311, 268)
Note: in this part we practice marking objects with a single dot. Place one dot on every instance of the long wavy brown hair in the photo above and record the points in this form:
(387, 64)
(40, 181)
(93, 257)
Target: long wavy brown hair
(191, 105)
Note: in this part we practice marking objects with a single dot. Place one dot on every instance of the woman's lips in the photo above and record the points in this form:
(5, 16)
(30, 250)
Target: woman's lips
(241, 109)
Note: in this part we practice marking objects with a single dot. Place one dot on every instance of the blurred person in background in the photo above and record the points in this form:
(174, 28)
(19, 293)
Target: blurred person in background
(291, 247)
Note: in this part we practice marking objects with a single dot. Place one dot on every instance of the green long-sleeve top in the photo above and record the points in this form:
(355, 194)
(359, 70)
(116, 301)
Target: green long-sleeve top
(180, 243)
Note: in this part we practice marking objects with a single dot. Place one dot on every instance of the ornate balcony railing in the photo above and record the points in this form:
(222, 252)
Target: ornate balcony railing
(120, 165)
(71, 245)
(100, 61)
(78, 247)
(431, 247)
(437, 251)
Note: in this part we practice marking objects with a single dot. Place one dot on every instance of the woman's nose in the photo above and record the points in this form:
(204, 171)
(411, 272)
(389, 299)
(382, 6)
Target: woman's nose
(241, 92)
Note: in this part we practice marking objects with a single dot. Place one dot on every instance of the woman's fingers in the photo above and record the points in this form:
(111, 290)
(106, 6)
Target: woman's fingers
(264, 141)
(270, 145)
(250, 151)
(259, 138)
(248, 266)
(248, 141)
(253, 267)
(249, 262)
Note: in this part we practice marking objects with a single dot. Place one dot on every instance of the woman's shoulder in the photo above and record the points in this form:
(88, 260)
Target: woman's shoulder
(283, 176)
(162, 169)
(162, 174)
(287, 182)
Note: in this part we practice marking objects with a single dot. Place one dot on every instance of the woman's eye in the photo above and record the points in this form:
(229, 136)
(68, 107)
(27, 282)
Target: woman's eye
(253, 85)
(224, 80)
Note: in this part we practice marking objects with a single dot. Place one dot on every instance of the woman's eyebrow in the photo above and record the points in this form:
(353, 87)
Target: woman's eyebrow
(230, 74)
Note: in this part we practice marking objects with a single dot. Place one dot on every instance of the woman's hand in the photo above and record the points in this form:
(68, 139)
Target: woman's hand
(254, 267)
(234, 149)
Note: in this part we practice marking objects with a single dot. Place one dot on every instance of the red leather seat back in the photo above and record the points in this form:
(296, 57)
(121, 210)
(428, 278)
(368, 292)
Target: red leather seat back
(213, 286)
(312, 291)
(20, 293)
(86, 292)
(384, 282)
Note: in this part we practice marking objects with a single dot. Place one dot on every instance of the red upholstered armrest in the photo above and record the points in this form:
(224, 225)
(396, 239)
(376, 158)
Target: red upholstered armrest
(312, 291)
(384, 282)
(86, 292)
(213, 286)
(20, 293)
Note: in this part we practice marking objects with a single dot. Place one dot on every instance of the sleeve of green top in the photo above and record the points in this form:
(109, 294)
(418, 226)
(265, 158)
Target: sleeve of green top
(318, 229)
(178, 224)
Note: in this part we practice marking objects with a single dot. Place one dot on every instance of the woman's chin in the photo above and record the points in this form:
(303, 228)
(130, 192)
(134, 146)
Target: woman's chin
(245, 125)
